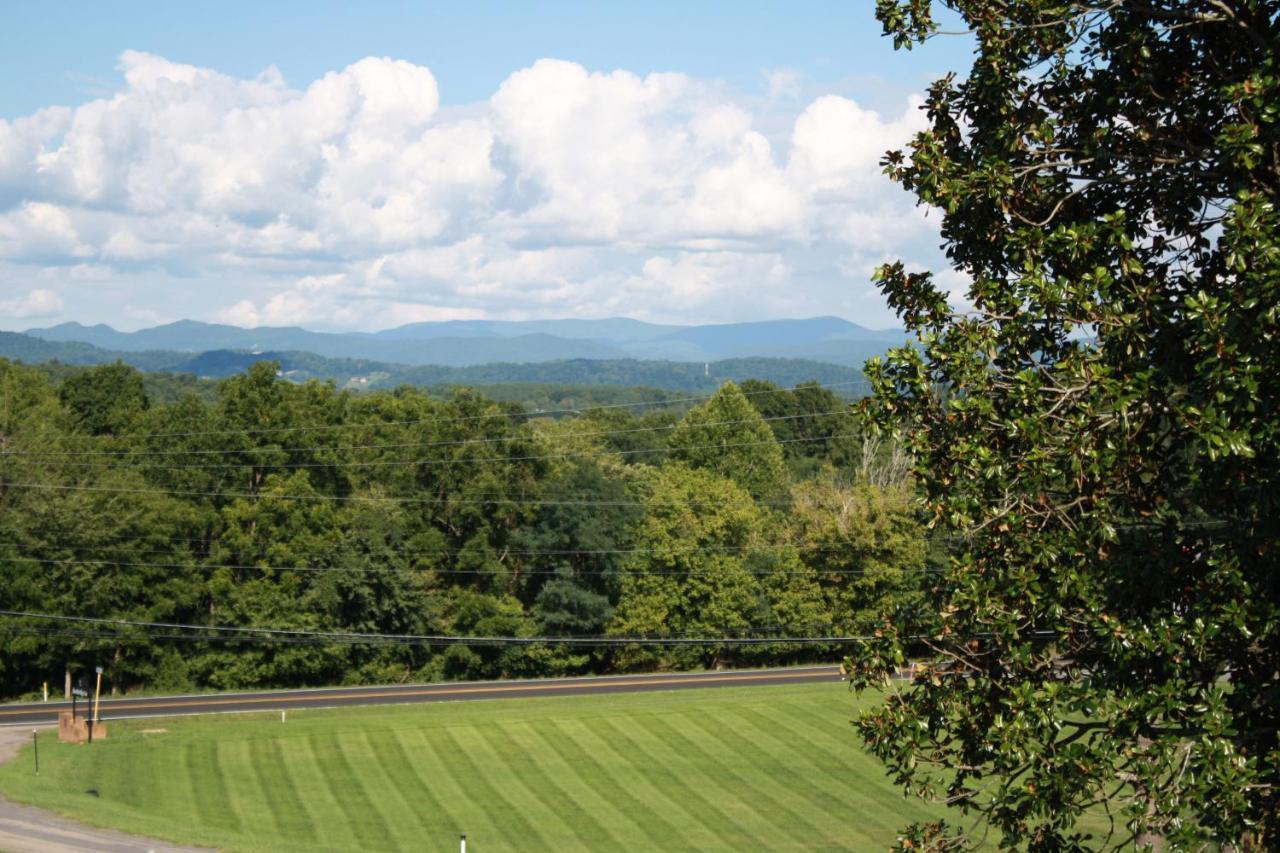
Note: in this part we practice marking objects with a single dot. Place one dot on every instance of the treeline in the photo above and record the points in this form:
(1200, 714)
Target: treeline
(759, 512)
(550, 398)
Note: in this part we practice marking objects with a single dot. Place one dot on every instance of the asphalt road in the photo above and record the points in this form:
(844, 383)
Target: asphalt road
(45, 713)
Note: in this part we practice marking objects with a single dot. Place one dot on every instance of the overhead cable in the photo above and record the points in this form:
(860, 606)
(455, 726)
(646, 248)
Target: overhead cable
(43, 456)
(446, 571)
(466, 418)
(434, 639)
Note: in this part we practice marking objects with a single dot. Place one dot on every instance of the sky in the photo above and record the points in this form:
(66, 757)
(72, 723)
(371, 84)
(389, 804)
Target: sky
(361, 166)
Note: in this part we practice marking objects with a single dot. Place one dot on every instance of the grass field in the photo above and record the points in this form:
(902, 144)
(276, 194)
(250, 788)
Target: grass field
(775, 768)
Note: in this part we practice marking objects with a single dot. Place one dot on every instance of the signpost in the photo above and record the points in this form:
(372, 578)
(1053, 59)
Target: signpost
(80, 691)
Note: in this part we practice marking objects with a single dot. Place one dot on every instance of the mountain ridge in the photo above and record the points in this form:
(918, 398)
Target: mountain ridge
(460, 343)
(368, 374)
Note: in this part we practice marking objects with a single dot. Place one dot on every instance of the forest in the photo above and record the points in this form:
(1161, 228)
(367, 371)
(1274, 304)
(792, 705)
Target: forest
(170, 522)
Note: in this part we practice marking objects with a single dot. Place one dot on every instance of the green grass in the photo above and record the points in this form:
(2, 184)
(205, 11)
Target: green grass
(775, 768)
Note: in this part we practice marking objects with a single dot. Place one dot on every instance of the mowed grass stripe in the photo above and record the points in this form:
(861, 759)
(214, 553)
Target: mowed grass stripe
(436, 814)
(780, 768)
(209, 787)
(884, 818)
(674, 771)
(693, 829)
(506, 774)
(288, 811)
(566, 772)
(426, 817)
(398, 813)
(780, 732)
(460, 806)
(804, 723)
(836, 730)
(758, 803)
(652, 822)
(248, 795)
(334, 832)
(817, 778)
(481, 791)
(363, 818)
(586, 829)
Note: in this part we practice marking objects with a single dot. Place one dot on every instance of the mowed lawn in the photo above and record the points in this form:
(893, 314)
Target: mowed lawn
(724, 769)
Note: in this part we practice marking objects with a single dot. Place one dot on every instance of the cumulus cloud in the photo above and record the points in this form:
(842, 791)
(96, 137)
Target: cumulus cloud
(37, 303)
(358, 199)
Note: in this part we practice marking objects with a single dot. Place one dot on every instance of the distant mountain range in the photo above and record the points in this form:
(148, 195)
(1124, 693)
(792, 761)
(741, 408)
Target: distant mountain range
(358, 373)
(462, 343)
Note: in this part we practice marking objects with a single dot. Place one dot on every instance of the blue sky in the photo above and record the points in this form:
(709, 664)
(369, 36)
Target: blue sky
(694, 166)
(66, 53)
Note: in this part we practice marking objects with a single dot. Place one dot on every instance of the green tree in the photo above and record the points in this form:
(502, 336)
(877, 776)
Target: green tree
(689, 574)
(104, 399)
(727, 436)
(478, 471)
(1100, 431)
(864, 544)
(582, 530)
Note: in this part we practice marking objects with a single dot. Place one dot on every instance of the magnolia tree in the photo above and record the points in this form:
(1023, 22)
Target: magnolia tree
(1096, 426)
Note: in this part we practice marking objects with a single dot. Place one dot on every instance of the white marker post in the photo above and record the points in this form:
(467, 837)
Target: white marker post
(97, 696)
(463, 843)
(282, 716)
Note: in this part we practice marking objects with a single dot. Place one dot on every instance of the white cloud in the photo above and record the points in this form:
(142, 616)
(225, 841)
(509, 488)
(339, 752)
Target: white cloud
(782, 82)
(837, 145)
(37, 303)
(41, 231)
(357, 198)
(692, 280)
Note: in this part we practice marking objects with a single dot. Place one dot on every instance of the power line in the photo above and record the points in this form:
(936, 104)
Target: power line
(369, 570)
(465, 418)
(41, 456)
(189, 638)
(448, 501)
(433, 639)
(513, 552)
(442, 461)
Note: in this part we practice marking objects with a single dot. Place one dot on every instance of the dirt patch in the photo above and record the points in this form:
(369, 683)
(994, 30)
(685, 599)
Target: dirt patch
(13, 738)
